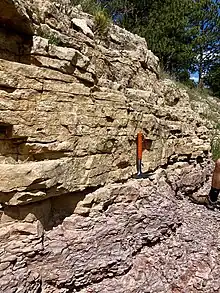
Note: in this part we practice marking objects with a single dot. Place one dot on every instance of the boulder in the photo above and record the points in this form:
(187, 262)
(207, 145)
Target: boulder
(82, 25)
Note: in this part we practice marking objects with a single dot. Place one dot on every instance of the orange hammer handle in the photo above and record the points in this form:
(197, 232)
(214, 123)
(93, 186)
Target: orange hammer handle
(139, 146)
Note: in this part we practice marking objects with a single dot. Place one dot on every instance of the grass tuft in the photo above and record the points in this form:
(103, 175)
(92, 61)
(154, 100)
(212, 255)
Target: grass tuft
(102, 22)
(102, 18)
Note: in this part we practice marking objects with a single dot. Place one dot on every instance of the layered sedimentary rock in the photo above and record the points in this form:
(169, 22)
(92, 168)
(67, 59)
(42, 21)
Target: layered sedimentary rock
(71, 104)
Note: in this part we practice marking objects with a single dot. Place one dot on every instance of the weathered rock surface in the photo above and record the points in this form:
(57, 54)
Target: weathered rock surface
(209, 109)
(138, 237)
(71, 104)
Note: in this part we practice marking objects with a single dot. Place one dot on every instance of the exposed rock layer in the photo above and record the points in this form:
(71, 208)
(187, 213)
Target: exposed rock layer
(138, 237)
(71, 104)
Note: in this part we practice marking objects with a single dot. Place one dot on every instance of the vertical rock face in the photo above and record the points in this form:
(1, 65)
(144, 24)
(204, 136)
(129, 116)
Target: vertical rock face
(71, 105)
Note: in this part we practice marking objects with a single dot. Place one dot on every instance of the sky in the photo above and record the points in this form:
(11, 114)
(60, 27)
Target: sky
(195, 77)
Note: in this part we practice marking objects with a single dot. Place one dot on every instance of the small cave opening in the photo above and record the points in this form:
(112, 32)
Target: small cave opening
(5, 130)
(16, 34)
(147, 144)
(109, 119)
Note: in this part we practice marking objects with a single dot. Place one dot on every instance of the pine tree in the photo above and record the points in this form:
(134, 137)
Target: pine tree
(205, 23)
(127, 13)
(183, 34)
(162, 23)
(167, 35)
(212, 79)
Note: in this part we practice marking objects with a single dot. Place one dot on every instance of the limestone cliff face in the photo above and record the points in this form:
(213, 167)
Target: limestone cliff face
(71, 104)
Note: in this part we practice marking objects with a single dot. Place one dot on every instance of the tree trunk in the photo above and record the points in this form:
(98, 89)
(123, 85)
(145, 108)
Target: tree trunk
(200, 82)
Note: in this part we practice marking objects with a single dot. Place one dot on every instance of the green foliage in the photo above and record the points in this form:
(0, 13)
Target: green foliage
(102, 22)
(205, 34)
(184, 78)
(92, 7)
(101, 16)
(89, 6)
(166, 34)
(55, 40)
(163, 25)
(184, 34)
(212, 79)
(52, 38)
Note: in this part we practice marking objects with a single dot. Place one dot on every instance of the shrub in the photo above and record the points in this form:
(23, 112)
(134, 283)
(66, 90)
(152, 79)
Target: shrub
(52, 38)
(89, 6)
(102, 18)
(102, 22)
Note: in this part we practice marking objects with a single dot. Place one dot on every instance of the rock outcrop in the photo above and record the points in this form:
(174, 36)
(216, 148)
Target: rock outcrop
(138, 237)
(71, 104)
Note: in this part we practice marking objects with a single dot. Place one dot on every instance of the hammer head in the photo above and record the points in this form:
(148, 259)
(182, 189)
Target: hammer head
(142, 175)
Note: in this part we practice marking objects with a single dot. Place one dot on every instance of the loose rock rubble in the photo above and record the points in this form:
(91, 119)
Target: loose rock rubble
(139, 239)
